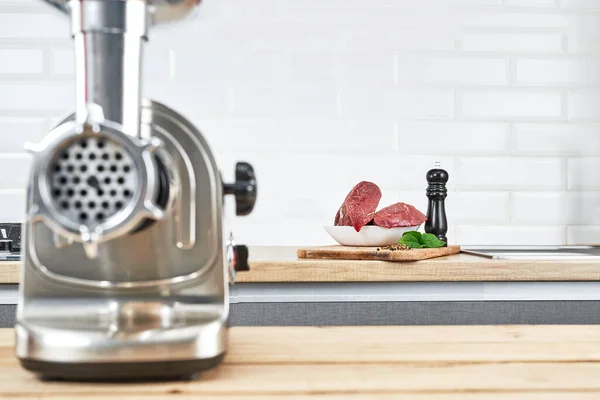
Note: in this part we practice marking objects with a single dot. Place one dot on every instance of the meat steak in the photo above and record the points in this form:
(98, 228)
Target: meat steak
(359, 206)
(399, 215)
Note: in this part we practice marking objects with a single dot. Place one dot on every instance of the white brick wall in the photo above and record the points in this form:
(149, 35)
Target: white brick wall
(319, 94)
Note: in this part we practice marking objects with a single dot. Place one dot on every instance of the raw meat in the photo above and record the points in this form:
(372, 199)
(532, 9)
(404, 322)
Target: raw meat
(399, 215)
(359, 206)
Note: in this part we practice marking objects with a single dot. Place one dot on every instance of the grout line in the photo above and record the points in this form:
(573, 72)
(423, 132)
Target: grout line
(49, 124)
(457, 104)
(457, 168)
(397, 140)
(565, 105)
(172, 64)
(511, 139)
(23, 9)
(510, 207)
(231, 103)
(567, 169)
(512, 71)
(396, 69)
(48, 61)
(565, 43)
(458, 45)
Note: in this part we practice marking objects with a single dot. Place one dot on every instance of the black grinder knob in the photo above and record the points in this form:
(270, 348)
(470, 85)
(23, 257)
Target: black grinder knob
(244, 189)
(240, 258)
(437, 192)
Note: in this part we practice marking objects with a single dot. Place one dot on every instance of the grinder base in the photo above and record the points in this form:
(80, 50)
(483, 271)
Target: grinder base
(128, 371)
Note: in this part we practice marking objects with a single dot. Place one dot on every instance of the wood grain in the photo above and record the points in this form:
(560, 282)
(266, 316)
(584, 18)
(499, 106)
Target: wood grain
(281, 264)
(10, 272)
(415, 363)
(455, 268)
(374, 253)
(557, 395)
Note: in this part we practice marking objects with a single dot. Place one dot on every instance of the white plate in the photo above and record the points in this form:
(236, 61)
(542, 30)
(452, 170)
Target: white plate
(369, 235)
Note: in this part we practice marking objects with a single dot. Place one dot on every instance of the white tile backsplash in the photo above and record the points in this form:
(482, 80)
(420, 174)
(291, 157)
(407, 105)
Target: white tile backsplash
(320, 94)
(16, 131)
(556, 208)
(453, 70)
(285, 101)
(477, 138)
(572, 139)
(313, 173)
(558, 72)
(62, 62)
(481, 208)
(301, 135)
(12, 205)
(587, 4)
(511, 173)
(16, 167)
(377, 102)
(367, 68)
(584, 173)
(389, 36)
(41, 25)
(22, 61)
(583, 44)
(583, 234)
(584, 105)
(512, 42)
(530, 3)
(520, 19)
(36, 97)
(202, 100)
(511, 235)
(512, 104)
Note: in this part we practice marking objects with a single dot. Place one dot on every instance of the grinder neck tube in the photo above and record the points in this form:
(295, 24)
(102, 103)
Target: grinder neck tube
(109, 37)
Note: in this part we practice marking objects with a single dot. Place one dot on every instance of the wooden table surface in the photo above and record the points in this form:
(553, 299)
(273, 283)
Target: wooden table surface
(280, 264)
(416, 363)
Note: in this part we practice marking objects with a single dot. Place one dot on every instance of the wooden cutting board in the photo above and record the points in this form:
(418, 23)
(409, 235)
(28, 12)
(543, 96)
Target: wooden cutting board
(372, 253)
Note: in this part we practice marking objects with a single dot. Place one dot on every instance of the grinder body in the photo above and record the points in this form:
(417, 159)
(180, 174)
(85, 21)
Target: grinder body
(126, 259)
(153, 302)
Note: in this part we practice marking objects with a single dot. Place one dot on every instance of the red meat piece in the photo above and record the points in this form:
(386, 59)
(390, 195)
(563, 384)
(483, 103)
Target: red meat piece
(359, 206)
(399, 215)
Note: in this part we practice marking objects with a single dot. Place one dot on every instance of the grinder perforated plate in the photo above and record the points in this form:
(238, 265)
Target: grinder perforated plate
(92, 179)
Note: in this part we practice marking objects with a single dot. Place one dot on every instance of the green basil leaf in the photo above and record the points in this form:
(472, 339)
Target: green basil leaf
(410, 241)
(430, 241)
(415, 234)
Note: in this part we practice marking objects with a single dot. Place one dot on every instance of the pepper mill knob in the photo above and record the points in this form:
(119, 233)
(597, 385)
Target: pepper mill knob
(437, 192)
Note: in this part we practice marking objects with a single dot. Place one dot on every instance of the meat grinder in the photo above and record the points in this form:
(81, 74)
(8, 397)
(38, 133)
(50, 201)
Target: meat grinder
(126, 259)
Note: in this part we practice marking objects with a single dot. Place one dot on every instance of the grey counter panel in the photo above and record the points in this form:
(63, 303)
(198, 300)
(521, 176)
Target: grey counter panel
(400, 313)
(416, 313)
(7, 315)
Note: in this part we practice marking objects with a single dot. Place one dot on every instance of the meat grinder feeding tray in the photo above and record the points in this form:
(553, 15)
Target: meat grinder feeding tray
(372, 253)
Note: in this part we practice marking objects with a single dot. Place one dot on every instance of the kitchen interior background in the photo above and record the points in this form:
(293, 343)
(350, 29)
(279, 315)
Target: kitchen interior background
(320, 94)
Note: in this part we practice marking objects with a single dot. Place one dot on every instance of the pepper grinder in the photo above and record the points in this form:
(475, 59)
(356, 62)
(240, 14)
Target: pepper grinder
(436, 208)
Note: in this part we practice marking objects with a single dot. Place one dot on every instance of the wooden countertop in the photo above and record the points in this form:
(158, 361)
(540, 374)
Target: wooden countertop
(280, 264)
(412, 363)
(10, 272)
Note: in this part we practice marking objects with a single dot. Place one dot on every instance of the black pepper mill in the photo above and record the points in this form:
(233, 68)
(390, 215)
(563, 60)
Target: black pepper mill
(436, 208)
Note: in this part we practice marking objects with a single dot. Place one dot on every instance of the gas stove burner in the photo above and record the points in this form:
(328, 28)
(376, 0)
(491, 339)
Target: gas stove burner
(92, 179)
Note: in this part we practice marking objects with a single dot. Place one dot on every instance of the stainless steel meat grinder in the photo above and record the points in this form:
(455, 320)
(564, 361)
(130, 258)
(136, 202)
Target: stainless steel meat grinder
(126, 259)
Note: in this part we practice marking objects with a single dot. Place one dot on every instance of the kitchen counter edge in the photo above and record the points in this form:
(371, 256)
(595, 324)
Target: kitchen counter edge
(280, 264)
